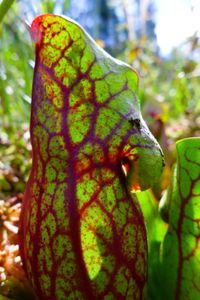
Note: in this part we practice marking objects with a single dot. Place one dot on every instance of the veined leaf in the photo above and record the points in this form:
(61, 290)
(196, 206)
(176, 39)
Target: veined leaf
(181, 247)
(82, 231)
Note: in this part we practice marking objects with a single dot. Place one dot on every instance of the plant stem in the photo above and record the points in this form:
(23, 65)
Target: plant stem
(4, 7)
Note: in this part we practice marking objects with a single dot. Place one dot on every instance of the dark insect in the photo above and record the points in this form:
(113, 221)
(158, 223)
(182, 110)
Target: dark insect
(135, 123)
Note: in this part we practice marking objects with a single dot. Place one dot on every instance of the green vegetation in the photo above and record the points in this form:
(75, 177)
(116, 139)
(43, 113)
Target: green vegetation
(170, 102)
(174, 250)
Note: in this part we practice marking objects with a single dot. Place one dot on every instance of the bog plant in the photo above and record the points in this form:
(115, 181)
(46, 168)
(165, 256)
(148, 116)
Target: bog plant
(174, 249)
(94, 151)
(82, 231)
(181, 207)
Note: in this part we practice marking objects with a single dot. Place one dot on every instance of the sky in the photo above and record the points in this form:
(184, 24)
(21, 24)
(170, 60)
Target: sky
(176, 20)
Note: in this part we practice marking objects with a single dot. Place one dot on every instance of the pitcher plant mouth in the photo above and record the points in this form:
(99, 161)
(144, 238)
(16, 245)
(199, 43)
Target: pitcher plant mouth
(140, 173)
(142, 159)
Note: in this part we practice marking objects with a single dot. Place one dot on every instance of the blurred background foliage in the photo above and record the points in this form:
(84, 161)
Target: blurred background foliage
(169, 86)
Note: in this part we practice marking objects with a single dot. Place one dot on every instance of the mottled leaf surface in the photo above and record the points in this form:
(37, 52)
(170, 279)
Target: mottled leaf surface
(180, 266)
(82, 232)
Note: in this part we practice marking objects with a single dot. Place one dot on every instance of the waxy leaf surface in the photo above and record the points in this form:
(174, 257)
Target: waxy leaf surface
(180, 266)
(82, 232)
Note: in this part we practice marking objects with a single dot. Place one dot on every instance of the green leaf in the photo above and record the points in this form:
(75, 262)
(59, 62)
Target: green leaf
(156, 230)
(91, 147)
(4, 7)
(181, 247)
